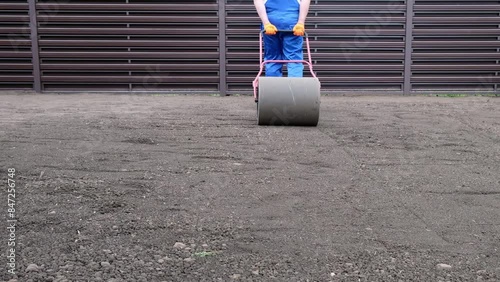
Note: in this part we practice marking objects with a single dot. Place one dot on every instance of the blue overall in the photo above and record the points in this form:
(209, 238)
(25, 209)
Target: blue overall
(283, 14)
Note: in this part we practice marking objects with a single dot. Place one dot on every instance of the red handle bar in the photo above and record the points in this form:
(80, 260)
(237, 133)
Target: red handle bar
(263, 63)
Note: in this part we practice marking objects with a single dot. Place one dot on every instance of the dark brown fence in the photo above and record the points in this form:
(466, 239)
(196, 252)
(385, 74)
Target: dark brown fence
(456, 45)
(212, 45)
(16, 70)
(129, 45)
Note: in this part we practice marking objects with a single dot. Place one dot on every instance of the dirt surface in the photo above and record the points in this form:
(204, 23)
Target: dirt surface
(384, 189)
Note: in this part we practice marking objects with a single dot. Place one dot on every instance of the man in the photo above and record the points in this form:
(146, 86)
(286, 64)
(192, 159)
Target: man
(283, 15)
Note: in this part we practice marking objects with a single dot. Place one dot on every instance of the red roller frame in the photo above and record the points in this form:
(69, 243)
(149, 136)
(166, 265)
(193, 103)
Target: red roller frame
(263, 63)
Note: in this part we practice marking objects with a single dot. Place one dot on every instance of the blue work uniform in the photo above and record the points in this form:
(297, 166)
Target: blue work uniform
(283, 14)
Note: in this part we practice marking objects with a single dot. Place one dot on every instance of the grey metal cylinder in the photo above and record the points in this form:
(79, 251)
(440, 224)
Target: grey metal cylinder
(292, 101)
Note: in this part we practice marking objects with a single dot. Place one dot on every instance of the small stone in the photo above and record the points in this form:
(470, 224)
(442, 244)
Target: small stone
(105, 264)
(349, 264)
(236, 276)
(111, 257)
(114, 227)
(113, 280)
(98, 274)
(189, 259)
(332, 274)
(160, 261)
(205, 245)
(140, 262)
(179, 245)
(32, 268)
(255, 272)
(443, 266)
(93, 265)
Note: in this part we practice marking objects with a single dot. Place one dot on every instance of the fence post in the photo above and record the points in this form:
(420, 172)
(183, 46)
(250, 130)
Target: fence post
(222, 48)
(407, 87)
(37, 80)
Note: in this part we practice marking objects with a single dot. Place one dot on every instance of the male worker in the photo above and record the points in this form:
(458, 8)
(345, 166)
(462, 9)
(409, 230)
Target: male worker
(283, 15)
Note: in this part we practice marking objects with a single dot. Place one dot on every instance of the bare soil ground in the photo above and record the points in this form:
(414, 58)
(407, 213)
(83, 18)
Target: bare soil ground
(384, 189)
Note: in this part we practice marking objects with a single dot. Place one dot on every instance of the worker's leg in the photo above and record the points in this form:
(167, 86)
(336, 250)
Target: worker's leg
(293, 50)
(273, 51)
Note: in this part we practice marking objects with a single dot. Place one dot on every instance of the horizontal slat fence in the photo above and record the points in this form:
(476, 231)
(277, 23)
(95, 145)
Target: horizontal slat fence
(396, 46)
(456, 45)
(16, 71)
(122, 45)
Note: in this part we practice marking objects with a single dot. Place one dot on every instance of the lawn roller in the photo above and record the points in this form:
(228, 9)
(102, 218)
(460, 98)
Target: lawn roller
(293, 101)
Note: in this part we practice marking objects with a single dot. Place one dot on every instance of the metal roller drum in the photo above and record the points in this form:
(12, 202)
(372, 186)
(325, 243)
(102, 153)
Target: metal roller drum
(289, 101)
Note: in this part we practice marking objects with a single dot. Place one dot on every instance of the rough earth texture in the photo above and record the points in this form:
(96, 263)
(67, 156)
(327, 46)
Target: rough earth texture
(188, 188)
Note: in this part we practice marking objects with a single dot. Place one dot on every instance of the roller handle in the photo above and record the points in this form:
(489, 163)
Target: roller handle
(263, 63)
